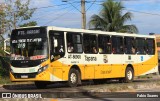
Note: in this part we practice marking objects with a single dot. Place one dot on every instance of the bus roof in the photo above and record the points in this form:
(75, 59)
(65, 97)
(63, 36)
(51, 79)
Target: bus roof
(92, 31)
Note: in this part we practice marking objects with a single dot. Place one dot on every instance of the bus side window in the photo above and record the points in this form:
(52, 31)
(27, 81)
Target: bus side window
(140, 46)
(90, 43)
(117, 45)
(74, 42)
(150, 46)
(104, 44)
(129, 46)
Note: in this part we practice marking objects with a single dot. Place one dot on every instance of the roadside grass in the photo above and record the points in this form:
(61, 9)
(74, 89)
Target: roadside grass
(5, 80)
(145, 77)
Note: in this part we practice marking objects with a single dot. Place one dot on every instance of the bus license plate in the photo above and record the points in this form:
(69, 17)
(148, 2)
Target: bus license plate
(24, 76)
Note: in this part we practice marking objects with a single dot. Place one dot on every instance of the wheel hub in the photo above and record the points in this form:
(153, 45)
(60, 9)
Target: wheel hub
(129, 75)
(73, 78)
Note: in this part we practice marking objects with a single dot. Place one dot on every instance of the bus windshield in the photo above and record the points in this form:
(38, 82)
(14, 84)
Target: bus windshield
(29, 44)
(29, 49)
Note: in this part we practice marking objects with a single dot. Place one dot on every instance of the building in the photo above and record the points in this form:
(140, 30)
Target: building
(158, 41)
(158, 44)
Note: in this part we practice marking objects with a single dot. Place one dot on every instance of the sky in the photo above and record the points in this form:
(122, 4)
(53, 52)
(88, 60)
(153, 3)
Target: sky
(146, 13)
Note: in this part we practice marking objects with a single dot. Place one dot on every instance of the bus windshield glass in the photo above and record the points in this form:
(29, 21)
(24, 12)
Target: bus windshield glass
(28, 47)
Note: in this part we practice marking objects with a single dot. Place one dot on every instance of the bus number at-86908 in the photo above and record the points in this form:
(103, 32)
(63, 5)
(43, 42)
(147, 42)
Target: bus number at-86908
(74, 56)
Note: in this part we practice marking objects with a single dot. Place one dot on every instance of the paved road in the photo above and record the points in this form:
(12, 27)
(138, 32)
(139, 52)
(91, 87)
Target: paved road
(91, 92)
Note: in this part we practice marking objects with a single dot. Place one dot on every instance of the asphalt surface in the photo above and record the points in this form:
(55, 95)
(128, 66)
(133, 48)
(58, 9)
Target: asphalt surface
(110, 91)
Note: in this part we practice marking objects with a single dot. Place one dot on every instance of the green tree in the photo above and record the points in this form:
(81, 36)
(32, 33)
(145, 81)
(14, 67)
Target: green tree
(16, 12)
(2, 18)
(31, 23)
(112, 19)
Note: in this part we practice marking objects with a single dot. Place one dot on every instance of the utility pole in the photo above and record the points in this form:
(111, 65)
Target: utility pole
(83, 11)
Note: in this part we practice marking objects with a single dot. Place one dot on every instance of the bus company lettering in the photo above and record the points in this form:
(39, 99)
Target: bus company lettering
(74, 56)
(35, 31)
(21, 32)
(91, 58)
(106, 72)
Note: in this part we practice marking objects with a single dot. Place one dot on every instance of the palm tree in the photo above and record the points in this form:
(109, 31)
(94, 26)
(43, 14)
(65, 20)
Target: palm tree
(112, 19)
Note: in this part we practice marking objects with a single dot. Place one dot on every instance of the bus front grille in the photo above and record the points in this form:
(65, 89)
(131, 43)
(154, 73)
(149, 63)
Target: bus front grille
(24, 75)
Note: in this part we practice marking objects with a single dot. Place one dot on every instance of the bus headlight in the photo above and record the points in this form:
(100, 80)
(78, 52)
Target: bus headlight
(42, 69)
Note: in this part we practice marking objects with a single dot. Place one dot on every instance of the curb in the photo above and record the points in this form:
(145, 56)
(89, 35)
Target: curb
(104, 88)
(17, 86)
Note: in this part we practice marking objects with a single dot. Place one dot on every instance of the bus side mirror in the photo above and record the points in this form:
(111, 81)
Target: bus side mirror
(5, 46)
(55, 43)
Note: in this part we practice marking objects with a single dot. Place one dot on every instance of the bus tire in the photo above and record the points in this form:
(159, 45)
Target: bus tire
(129, 75)
(73, 78)
(40, 84)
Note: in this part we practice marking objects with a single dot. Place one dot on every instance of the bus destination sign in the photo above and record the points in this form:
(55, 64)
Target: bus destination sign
(28, 32)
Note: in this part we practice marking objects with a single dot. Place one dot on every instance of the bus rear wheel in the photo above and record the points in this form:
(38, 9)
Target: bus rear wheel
(74, 77)
(129, 75)
(40, 84)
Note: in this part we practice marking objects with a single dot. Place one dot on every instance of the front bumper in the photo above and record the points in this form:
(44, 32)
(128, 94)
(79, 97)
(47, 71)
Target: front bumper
(43, 76)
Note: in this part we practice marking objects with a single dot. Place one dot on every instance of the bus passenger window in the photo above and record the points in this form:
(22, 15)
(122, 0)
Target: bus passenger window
(74, 42)
(140, 46)
(90, 43)
(104, 44)
(117, 45)
(129, 45)
(150, 46)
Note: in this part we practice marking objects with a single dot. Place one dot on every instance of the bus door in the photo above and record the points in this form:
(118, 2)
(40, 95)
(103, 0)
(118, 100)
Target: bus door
(57, 48)
(57, 51)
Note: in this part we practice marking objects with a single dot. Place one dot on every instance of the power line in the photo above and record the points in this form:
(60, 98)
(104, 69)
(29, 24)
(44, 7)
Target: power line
(45, 7)
(58, 17)
(137, 11)
(143, 12)
(74, 7)
(91, 5)
(50, 12)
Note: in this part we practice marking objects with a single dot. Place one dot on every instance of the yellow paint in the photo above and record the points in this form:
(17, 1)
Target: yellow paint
(92, 71)
(89, 72)
(53, 100)
(98, 72)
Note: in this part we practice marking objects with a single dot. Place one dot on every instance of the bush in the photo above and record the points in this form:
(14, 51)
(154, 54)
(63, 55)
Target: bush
(4, 66)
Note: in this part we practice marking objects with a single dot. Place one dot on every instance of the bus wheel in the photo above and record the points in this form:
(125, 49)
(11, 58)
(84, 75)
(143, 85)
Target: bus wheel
(129, 75)
(74, 78)
(40, 84)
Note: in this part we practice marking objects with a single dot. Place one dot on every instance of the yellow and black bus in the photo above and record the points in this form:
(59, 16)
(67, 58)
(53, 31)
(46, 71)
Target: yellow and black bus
(52, 54)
